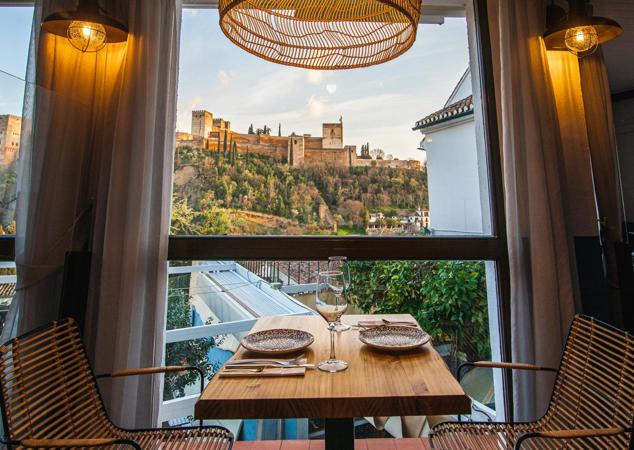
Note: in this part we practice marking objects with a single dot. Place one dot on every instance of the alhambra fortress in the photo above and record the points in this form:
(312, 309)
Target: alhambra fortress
(296, 150)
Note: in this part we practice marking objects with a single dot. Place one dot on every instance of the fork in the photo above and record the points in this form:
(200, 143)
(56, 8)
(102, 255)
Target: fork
(281, 362)
(266, 366)
(399, 322)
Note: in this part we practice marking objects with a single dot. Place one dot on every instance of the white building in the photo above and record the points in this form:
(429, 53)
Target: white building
(455, 170)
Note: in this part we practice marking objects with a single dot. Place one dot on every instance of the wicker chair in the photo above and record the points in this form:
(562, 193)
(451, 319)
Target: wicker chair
(49, 398)
(592, 404)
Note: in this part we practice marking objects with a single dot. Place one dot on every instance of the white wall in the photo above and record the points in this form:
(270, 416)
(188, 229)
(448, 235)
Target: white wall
(453, 179)
(463, 89)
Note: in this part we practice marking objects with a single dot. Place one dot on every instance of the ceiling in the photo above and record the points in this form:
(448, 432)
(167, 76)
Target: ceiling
(619, 53)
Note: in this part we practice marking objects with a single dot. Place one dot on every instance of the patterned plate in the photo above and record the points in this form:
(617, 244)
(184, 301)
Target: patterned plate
(392, 337)
(276, 342)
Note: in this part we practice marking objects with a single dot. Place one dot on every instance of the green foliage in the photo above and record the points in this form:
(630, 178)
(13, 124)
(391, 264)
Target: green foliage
(448, 298)
(187, 353)
(255, 182)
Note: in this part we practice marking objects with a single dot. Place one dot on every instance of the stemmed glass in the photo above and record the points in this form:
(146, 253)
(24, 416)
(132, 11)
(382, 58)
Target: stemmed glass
(331, 304)
(341, 263)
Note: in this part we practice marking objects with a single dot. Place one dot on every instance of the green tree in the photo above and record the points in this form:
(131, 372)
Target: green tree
(448, 299)
(183, 217)
(186, 353)
(215, 221)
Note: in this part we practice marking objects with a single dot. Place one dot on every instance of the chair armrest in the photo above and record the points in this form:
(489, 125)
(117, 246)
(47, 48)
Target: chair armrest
(502, 365)
(148, 371)
(572, 434)
(65, 443)
(153, 370)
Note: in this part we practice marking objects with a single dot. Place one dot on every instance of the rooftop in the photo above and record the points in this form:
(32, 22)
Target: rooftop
(458, 109)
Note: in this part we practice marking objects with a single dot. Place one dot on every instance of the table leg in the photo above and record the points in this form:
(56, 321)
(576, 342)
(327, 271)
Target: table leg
(339, 434)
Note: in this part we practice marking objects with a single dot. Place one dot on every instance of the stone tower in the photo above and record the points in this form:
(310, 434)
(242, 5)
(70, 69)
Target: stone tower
(295, 150)
(332, 136)
(10, 129)
(202, 123)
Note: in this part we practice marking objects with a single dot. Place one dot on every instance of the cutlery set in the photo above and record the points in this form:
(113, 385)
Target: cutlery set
(266, 367)
(383, 334)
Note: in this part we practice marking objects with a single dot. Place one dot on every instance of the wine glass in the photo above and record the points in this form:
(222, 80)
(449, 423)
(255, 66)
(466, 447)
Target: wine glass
(331, 304)
(341, 263)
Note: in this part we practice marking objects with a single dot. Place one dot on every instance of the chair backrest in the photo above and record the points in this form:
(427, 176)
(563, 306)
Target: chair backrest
(595, 383)
(48, 388)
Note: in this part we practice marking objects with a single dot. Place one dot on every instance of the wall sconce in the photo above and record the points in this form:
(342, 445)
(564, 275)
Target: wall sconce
(578, 31)
(88, 29)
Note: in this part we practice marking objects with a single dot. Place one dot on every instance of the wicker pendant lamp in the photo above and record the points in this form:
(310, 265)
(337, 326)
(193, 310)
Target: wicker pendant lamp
(322, 34)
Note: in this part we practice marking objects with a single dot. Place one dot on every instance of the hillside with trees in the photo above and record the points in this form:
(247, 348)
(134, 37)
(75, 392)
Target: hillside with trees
(218, 192)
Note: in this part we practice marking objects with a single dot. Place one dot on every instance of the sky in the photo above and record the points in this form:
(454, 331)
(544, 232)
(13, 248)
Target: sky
(379, 104)
(15, 33)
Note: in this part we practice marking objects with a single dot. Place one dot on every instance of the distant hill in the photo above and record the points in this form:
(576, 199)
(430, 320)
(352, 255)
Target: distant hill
(310, 199)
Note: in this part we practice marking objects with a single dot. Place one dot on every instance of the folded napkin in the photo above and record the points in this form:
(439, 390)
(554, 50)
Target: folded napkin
(266, 372)
(378, 322)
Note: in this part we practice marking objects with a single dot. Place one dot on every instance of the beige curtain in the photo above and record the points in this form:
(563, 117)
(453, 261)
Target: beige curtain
(541, 260)
(128, 298)
(95, 174)
(54, 207)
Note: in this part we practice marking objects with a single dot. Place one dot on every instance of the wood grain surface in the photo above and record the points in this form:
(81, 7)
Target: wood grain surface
(376, 383)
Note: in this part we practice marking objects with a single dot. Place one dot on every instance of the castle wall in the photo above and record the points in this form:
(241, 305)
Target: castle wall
(391, 163)
(296, 150)
(273, 146)
(332, 135)
(202, 123)
(210, 133)
(10, 129)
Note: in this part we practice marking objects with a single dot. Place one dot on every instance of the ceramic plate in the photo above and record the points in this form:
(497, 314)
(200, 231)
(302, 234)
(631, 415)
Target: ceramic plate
(278, 341)
(392, 337)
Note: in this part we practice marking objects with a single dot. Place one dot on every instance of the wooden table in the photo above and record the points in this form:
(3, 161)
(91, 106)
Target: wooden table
(375, 384)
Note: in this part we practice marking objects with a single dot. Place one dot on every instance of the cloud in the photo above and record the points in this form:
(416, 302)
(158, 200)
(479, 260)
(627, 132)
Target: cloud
(316, 107)
(224, 78)
(314, 76)
(331, 88)
(196, 102)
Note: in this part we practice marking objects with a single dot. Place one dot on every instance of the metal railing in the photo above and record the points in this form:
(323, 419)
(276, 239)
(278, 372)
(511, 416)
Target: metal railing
(286, 272)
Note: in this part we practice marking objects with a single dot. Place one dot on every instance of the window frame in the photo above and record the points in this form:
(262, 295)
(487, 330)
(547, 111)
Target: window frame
(487, 248)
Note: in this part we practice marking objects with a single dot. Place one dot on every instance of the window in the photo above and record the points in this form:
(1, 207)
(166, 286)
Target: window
(394, 166)
(213, 304)
(264, 149)
(15, 33)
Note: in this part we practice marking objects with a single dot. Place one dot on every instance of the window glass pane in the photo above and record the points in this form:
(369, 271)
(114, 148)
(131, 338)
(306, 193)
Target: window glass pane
(449, 299)
(15, 33)
(265, 149)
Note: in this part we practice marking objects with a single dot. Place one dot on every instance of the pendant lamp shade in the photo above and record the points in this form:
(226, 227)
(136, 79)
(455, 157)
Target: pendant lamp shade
(87, 28)
(322, 34)
(579, 31)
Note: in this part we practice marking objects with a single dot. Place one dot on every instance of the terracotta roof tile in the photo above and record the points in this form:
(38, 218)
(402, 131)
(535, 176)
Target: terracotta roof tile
(458, 109)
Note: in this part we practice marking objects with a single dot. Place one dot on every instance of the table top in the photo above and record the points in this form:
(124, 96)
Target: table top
(376, 383)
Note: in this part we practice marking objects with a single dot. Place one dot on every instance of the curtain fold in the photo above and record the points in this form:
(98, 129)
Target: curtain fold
(55, 193)
(543, 299)
(129, 283)
(95, 175)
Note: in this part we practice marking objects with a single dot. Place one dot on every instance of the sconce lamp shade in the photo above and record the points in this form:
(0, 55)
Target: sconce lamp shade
(87, 28)
(579, 31)
(322, 34)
